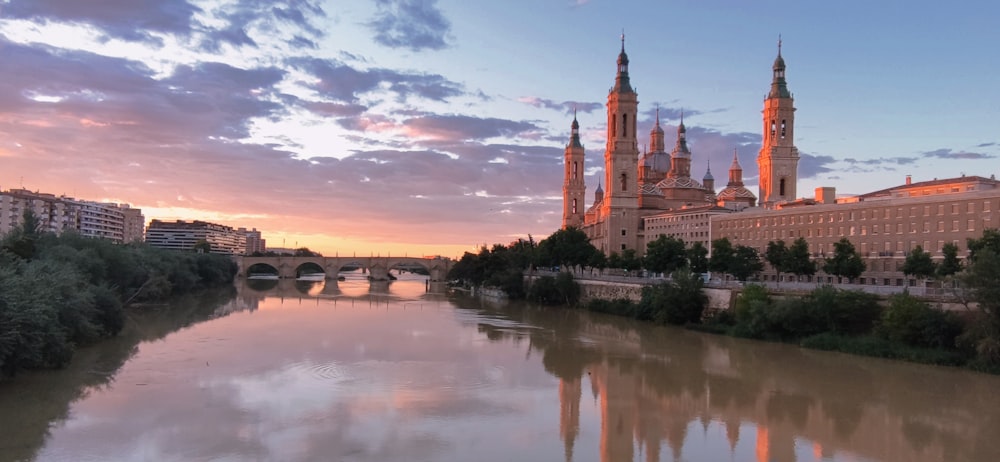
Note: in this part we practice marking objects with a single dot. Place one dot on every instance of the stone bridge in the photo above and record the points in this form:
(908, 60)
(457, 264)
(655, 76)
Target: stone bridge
(288, 267)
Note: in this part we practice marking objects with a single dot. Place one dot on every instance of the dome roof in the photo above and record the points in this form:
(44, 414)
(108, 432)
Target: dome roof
(679, 183)
(656, 161)
(779, 62)
(735, 192)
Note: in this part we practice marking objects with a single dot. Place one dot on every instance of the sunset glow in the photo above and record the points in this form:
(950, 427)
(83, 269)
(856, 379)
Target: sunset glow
(409, 127)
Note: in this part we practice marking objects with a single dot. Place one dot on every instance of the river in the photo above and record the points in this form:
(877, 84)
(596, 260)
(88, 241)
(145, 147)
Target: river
(348, 371)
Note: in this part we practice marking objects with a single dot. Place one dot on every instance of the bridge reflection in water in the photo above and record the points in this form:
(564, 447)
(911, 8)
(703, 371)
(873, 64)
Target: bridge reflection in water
(377, 268)
(354, 289)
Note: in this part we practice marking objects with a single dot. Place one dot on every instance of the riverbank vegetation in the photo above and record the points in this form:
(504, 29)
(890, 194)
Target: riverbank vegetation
(61, 292)
(903, 327)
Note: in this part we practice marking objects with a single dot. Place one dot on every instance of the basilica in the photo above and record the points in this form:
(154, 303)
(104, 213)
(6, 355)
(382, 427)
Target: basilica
(652, 193)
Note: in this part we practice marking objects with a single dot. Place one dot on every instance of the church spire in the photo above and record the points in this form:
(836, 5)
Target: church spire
(735, 171)
(622, 84)
(779, 88)
(574, 138)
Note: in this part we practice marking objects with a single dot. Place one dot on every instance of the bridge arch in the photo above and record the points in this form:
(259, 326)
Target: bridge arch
(377, 267)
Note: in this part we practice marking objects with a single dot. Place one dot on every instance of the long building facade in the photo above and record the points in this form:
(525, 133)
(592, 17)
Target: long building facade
(884, 226)
(118, 223)
(184, 235)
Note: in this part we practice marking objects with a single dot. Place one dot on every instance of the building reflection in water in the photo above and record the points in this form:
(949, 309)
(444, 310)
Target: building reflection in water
(655, 388)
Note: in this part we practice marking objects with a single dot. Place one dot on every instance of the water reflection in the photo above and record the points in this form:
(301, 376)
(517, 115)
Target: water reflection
(655, 387)
(334, 370)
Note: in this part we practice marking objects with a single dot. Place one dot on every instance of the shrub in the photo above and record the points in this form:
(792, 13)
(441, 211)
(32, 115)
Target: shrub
(751, 293)
(679, 301)
(850, 312)
(912, 321)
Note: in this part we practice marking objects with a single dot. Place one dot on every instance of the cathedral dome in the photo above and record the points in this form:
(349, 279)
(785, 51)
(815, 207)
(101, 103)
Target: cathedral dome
(656, 162)
(679, 183)
(733, 193)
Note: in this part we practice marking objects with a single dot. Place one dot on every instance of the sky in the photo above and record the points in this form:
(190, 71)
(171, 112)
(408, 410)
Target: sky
(433, 127)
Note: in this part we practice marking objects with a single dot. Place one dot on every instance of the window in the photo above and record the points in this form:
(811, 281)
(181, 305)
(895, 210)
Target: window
(972, 225)
(954, 209)
(624, 181)
(971, 208)
(623, 231)
(913, 227)
(954, 225)
(781, 187)
(782, 128)
(899, 212)
(986, 206)
(940, 210)
(623, 246)
(625, 125)
(940, 227)
(772, 128)
(574, 206)
(574, 169)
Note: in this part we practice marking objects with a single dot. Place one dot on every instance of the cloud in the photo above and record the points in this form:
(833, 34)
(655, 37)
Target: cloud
(459, 127)
(566, 107)
(952, 154)
(415, 25)
(812, 166)
(345, 83)
(882, 161)
(986, 145)
(136, 20)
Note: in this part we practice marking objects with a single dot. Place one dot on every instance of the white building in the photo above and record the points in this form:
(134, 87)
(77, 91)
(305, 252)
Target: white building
(183, 235)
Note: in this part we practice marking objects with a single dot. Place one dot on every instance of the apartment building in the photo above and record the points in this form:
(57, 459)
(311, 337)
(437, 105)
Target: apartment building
(183, 235)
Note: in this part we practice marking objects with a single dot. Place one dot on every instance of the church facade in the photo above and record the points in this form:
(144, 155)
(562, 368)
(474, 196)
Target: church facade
(653, 193)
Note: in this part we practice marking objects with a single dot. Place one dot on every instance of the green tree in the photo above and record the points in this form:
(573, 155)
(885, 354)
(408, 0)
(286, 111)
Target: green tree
(566, 247)
(990, 240)
(919, 264)
(776, 255)
(697, 256)
(305, 252)
(980, 278)
(723, 255)
(951, 264)
(678, 301)
(665, 255)
(202, 246)
(845, 262)
(798, 261)
(746, 263)
(630, 260)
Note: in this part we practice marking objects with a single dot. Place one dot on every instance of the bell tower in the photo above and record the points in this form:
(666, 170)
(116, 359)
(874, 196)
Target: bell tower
(778, 161)
(573, 186)
(621, 199)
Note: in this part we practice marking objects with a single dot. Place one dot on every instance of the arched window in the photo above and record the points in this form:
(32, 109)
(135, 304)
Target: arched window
(614, 126)
(781, 187)
(624, 182)
(772, 128)
(574, 206)
(574, 169)
(782, 128)
(625, 125)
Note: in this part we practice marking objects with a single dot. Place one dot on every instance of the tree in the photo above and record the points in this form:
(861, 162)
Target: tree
(746, 262)
(990, 240)
(722, 256)
(697, 256)
(665, 255)
(919, 264)
(202, 246)
(777, 256)
(951, 263)
(798, 261)
(305, 252)
(566, 247)
(845, 262)
(629, 261)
